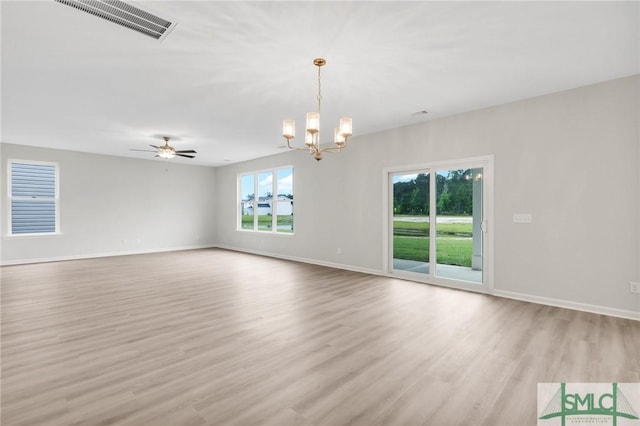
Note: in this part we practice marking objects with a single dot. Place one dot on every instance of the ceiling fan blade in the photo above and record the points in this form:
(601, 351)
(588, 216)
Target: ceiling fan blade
(188, 151)
(184, 155)
(141, 150)
(153, 146)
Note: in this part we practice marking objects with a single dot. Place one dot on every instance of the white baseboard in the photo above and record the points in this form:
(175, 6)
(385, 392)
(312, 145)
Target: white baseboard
(603, 310)
(576, 306)
(305, 260)
(595, 309)
(96, 255)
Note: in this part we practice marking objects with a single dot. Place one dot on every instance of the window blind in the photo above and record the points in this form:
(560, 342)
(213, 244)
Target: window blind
(33, 198)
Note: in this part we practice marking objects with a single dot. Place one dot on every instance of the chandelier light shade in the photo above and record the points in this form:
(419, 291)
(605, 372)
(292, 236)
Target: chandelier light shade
(312, 130)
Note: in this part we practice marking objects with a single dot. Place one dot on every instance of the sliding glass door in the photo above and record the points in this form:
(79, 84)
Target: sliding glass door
(437, 228)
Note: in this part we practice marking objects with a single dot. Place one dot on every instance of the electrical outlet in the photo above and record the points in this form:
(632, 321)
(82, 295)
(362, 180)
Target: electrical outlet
(634, 287)
(338, 250)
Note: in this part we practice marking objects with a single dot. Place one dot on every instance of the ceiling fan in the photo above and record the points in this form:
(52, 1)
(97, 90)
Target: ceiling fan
(167, 151)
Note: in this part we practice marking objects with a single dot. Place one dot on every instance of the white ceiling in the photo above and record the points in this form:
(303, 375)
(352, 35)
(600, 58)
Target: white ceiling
(224, 79)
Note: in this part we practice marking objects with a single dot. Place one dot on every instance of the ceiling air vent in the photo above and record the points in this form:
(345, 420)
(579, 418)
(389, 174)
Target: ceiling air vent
(124, 14)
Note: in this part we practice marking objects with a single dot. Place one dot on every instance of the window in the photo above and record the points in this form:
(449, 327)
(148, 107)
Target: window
(272, 209)
(33, 193)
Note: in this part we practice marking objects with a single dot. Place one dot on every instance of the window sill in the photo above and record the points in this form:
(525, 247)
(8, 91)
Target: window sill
(42, 235)
(251, 231)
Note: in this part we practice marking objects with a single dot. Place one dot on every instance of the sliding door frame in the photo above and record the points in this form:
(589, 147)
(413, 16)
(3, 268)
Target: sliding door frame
(485, 162)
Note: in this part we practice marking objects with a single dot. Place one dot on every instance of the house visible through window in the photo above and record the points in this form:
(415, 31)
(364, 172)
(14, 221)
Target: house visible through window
(33, 192)
(271, 210)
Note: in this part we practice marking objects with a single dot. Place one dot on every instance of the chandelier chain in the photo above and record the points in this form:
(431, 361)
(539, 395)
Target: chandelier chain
(319, 92)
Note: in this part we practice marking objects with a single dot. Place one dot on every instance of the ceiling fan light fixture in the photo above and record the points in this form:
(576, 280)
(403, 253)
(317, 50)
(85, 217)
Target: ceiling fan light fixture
(164, 153)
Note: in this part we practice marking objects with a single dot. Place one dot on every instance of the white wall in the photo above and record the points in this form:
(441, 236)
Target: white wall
(572, 159)
(105, 200)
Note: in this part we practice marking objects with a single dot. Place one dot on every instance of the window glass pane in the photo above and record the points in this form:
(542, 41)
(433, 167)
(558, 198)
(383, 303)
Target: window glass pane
(33, 198)
(265, 200)
(33, 216)
(458, 224)
(411, 222)
(247, 193)
(284, 206)
(33, 180)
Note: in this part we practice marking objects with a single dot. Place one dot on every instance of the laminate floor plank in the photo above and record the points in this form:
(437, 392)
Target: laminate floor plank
(215, 337)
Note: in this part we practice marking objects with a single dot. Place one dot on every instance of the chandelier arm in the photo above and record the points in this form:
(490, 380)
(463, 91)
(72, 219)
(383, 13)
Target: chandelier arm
(296, 147)
(330, 149)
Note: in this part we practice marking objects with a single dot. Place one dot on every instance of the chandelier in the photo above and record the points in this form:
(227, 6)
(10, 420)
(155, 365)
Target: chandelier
(312, 134)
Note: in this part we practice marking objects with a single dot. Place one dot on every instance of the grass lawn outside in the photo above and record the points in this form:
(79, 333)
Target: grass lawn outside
(450, 251)
(285, 223)
(410, 239)
(454, 242)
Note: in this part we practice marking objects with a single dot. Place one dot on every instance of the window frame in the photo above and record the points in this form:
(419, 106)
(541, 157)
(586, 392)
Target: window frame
(256, 200)
(11, 198)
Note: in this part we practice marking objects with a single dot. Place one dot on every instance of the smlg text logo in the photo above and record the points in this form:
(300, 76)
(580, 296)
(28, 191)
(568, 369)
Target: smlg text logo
(575, 404)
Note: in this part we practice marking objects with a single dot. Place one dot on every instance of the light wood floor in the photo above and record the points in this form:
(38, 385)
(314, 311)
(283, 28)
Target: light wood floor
(218, 337)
